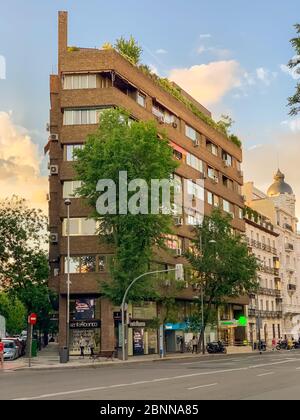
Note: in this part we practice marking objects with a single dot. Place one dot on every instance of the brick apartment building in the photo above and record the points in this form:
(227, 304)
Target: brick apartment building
(88, 81)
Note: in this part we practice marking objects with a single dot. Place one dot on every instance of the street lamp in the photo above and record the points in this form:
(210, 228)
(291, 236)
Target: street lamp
(212, 241)
(67, 204)
(179, 271)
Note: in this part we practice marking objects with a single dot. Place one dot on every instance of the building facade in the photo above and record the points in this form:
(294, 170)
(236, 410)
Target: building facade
(265, 308)
(88, 81)
(278, 205)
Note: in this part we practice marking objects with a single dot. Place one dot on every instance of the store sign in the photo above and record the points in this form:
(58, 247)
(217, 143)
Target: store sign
(85, 325)
(178, 326)
(84, 309)
(137, 324)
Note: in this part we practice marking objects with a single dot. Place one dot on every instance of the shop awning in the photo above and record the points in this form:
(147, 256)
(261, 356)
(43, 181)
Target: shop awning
(178, 148)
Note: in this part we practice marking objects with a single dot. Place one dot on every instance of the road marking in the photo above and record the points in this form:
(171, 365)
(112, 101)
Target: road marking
(266, 374)
(202, 386)
(191, 375)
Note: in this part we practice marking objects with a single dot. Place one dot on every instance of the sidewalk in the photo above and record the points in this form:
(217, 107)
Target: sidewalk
(48, 358)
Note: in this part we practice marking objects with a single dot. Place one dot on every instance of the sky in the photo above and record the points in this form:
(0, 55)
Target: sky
(231, 56)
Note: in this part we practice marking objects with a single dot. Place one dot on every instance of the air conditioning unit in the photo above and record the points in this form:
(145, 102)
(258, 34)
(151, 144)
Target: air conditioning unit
(47, 127)
(178, 252)
(226, 163)
(56, 272)
(178, 221)
(174, 124)
(53, 238)
(48, 197)
(53, 137)
(196, 143)
(53, 169)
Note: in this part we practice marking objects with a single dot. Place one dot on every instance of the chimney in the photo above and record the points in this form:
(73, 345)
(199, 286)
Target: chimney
(62, 34)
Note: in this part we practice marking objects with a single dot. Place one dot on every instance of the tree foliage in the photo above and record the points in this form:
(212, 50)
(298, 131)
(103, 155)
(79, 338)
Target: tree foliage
(14, 313)
(23, 263)
(129, 49)
(294, 63)
(223, 266)
(123, 145)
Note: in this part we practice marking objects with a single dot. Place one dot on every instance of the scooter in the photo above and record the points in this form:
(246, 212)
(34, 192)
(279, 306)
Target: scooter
(216, 347)
(282, 345)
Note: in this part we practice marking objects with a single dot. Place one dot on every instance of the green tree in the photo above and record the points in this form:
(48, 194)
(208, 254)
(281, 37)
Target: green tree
(23, 263)
(222, 264)
(14, 313)
(294, 101)
(123, 145)
(129, 49)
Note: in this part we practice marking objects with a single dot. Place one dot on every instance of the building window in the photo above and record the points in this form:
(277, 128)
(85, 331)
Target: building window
(194, 162)
(69, 151)
(210, 198)
(70, 187)
(241, 215)
(226, 206)
(141, 99)
(82, 116)
(80, 81)
(173, 242)
(80, 227)
(195, 190)
(212, 148)
(194, 220)
(227, 158)
(190, 132)
(82, 264)
(212, 174)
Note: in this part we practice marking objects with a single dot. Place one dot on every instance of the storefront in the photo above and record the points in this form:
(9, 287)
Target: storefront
(142, 334)
(84, 324)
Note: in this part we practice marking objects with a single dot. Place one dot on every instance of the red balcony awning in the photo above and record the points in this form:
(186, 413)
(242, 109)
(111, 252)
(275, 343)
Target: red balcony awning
(178, 148)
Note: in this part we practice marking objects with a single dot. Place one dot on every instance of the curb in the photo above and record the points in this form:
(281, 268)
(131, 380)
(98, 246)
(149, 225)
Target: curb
(96, 365)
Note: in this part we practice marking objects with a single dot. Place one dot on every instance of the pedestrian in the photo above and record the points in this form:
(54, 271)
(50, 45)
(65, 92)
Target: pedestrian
(82, 346)
(1, 353)
(290, 344)
(181, 341)
(274, 344)
(194, 344)
(92, 347)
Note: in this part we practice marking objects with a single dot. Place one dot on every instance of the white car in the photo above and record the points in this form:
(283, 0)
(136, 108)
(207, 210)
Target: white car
(10, 350)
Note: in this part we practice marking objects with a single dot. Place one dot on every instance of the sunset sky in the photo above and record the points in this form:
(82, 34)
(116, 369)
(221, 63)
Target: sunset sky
(231, 56)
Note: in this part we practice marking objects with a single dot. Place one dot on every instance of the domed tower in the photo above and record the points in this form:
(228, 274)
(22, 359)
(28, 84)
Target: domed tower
(282, 193)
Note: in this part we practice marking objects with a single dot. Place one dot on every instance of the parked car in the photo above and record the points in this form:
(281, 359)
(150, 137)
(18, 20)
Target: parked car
(19, 344)
(10, 350)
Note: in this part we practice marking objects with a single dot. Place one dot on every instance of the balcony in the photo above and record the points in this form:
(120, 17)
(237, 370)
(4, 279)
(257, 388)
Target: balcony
(269, 292)
(289, 247)
(288, 227)
(290, 309)
(255, 313)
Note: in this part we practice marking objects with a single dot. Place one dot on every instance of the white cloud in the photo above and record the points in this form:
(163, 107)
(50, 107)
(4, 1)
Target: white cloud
(265, 76)
(294, 72)
(293, 124)
(161, 51)
(208, 83)
(20, 164)
(202, 36)
(221, 53)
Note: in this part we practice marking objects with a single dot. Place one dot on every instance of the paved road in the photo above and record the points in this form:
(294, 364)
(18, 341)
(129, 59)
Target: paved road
(270, 376)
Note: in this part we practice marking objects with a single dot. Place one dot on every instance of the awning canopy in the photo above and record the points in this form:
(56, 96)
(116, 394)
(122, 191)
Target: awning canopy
(178, 148)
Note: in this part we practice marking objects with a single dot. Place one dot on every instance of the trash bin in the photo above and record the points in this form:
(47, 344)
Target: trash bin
(64, 355)
(34, 348)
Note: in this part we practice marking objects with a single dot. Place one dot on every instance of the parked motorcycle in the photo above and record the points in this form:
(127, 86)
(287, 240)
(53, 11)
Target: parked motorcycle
(216, 347)
(282, 345)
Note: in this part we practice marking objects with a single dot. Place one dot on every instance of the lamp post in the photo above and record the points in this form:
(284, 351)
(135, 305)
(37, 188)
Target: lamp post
(212, 241)
(178, 269)
(67, 204)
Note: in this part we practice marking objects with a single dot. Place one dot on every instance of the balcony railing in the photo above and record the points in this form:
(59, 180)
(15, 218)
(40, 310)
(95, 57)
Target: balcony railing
(289, 247)
(264, 314)
(260, 245)
(269, 292)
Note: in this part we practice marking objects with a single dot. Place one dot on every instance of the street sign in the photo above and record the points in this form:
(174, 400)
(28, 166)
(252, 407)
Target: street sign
(32, 319)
